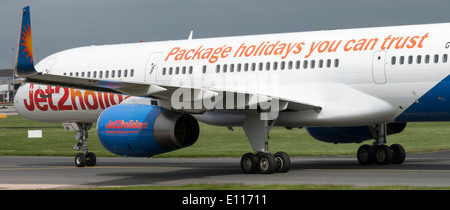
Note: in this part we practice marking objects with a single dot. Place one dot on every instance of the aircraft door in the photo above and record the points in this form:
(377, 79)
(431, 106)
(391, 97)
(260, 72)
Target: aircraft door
(49, 65)
(151, 70)
(378, 67)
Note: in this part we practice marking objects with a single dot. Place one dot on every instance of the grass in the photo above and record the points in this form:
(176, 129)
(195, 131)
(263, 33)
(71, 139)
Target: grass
(220, 142)
(213, 141)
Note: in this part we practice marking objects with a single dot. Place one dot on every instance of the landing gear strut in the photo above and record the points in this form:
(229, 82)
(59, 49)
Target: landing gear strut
(85, 158)
(257, 132)
(379, 153)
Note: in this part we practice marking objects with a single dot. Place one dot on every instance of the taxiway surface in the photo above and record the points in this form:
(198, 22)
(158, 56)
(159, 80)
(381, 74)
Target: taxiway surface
(431, 169)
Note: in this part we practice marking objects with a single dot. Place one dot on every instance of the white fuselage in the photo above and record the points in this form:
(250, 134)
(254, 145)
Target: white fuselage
(356, 76)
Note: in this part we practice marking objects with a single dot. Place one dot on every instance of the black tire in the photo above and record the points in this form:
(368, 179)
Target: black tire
(283, 162)
(267, 164)
(365, 154)
(91, 159)
(383, 155)
(80, 160)
(249, 163)
(399, 154)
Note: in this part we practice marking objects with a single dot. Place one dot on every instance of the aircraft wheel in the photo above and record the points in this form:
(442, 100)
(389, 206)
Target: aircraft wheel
(383, 155)
(399, 154)
(249, 163)
(267, 163)
(365, 154)
(80, 160)
(91, 159)
(283, 162)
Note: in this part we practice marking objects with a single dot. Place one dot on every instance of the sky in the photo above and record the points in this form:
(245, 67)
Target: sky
(63, 24)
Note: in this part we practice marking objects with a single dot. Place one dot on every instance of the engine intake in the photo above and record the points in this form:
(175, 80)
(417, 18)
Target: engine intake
(144, 130)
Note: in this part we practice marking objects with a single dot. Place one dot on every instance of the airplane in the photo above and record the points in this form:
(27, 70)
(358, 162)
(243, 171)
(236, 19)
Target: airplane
(343, 86)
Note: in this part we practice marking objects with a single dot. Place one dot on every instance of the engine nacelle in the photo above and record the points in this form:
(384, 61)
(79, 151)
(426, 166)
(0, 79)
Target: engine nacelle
(350, 134)
(143, 130)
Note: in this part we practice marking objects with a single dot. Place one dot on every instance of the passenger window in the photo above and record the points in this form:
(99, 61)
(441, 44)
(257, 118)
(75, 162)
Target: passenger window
(436, 58)
(239, 66)
(402, 60)
(224, 68)
(313, 63)
(204, 69)
(89, 74)
(170, 70)
(217, 68)
(410, 59)
(305, 64)
(113, 73)
(261, 66)
(297, 64)
(95, 74)
(275, 65)
(268, 66)
(320, 63)
(393, 60)
(191, 69)
(164, 71)
(328, 63)
(336, 63)
(282, 65)
(427, 58)
(419, 59)
(183, 70)
(106, 74)
(231, 67)
(132, 73)
(253, 66)
(100, 74)
(290, 65)
(246, 67)
(444, 58)
(119, 73)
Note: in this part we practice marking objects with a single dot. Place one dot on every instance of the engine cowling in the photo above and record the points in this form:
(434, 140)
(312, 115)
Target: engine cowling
(144, 130)
(354, 134)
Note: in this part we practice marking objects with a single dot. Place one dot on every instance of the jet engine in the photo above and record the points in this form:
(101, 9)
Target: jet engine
(143, 130)
(354, 134)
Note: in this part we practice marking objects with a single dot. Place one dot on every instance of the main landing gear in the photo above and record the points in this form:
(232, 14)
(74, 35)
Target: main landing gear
(265, 163)
(262, 161)
(379, 153)
(85, 158)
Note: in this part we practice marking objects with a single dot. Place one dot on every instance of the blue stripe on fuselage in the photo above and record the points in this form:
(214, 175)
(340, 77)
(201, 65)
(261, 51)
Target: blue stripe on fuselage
(432, 106)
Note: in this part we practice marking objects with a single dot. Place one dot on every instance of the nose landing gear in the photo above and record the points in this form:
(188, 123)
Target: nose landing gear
(85, 158)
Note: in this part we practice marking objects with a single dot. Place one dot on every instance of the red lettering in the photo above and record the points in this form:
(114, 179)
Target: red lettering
(50, 92)
(29, 106)
(74, 94)
(172, 52)
(111, 99)
(94, 104)
(100, 100)
(105, 97)
(63, 100)
(186, 57)
(38, 100)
